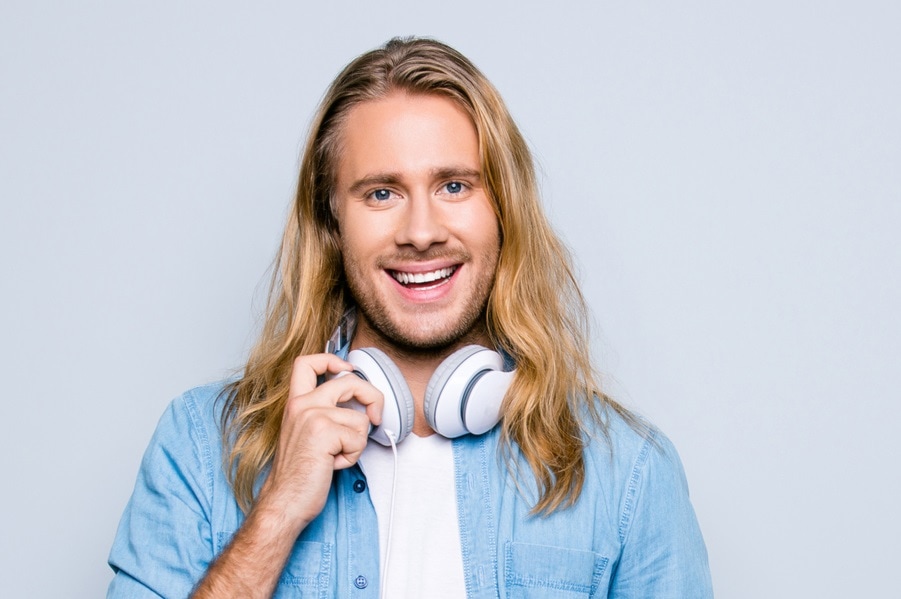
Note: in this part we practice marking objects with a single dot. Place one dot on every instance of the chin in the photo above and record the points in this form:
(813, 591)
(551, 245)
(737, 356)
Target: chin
(413, 335)
(424, 340)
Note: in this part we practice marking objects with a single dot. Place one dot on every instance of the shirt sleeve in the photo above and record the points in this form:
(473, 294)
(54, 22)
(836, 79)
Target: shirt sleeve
(663, 551)
(164, 542)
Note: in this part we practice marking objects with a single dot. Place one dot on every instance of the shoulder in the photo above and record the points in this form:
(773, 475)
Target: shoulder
(191, 424)
(634, 457)
(618, 434)
(206, 402)
(663, 552)
(178, 489)
(626, 437)
(199, 409)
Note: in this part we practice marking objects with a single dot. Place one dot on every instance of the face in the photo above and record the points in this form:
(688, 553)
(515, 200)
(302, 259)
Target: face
(419, 238)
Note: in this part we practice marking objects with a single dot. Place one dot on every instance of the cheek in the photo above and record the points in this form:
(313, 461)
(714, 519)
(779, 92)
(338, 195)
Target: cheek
(485, 230)
(350, 250)
(351, 233)
(361, 243)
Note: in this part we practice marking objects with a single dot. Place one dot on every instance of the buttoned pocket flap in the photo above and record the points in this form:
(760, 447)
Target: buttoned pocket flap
(539, 571)
(307, 572)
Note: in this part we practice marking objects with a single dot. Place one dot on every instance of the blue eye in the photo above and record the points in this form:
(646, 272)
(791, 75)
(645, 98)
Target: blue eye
(454, 187)
(381, 194)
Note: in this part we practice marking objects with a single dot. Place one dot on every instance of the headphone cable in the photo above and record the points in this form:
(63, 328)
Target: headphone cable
(392, 439)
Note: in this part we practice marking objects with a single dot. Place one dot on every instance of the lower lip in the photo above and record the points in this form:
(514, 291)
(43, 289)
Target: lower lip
(427, 294)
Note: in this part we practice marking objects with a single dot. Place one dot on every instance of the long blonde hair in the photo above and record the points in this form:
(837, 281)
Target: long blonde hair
(535, 312)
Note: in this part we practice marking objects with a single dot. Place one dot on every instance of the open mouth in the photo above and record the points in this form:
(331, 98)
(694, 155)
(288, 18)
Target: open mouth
(423, 280)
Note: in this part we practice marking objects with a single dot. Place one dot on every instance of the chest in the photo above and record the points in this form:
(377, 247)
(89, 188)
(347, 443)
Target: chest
(476, 523)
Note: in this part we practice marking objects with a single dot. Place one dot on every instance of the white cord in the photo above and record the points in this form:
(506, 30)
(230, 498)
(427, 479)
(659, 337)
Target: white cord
(392, 439)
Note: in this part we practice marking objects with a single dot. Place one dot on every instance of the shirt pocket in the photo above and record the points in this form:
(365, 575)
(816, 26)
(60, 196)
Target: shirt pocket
(307, 573)
(541, 571)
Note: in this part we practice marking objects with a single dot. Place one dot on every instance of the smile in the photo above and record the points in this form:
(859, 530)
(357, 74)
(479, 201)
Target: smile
(422, 278)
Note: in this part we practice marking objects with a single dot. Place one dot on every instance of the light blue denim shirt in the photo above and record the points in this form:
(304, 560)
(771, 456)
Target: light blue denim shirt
(632, 533)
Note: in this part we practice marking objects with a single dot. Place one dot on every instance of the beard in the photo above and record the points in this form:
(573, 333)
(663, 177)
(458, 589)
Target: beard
(434, 331)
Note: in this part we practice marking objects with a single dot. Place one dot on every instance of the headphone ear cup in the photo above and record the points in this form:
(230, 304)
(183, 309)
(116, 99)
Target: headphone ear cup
(449, 391)
(397, 414)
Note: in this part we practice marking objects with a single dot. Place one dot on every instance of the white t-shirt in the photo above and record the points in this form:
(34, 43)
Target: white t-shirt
(426, 559)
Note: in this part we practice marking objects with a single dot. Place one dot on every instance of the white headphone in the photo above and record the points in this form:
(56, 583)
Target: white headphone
(463, 396)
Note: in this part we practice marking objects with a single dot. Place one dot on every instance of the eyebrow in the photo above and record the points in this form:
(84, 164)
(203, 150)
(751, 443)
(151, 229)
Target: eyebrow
(457, 173)
(395, 178)
(372, 180)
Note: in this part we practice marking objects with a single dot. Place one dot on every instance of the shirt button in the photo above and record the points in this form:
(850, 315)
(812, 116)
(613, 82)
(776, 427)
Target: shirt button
(359, 487)
(360, 582)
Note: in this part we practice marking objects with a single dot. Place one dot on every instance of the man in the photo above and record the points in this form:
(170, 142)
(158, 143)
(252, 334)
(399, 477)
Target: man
(416, 233)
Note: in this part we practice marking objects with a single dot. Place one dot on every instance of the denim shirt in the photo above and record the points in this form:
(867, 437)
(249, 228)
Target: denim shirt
(632, 532)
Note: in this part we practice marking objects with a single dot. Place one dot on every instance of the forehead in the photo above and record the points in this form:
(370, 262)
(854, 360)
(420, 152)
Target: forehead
(406, 133)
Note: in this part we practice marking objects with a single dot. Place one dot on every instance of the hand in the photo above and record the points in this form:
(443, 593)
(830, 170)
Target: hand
(317, 436)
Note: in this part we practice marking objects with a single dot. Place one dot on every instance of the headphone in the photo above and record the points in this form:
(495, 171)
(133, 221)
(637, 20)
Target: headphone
(464, 394)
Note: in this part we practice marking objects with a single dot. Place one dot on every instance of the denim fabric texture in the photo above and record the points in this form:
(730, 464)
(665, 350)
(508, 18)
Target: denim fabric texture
(632, 533)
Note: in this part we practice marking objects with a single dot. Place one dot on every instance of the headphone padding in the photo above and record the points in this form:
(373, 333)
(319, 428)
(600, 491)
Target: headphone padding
(387, 378)
(448, 387)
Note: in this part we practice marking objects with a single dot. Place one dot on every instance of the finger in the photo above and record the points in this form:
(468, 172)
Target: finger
(352, 445)
(348, 419)
(354, 389)
(307, 417)
(308, 368)
(336, 432)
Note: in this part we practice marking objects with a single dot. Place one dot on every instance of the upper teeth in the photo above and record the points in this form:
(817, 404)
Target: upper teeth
(422, 277)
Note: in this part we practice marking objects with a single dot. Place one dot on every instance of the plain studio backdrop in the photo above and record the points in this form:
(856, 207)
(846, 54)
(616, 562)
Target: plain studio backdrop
(726, 175)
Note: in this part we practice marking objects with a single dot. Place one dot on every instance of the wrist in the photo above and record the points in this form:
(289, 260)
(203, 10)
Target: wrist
(279, 514)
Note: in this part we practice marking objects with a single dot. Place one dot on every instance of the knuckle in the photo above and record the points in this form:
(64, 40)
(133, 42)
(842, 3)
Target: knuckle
(354, 442)
(317, 422)
(295, 406)
(305, 358)
(300, 361)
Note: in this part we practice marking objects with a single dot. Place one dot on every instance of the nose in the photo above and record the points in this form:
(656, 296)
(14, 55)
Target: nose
(423, 223)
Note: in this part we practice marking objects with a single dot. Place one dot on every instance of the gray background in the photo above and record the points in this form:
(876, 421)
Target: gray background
(727, 175)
